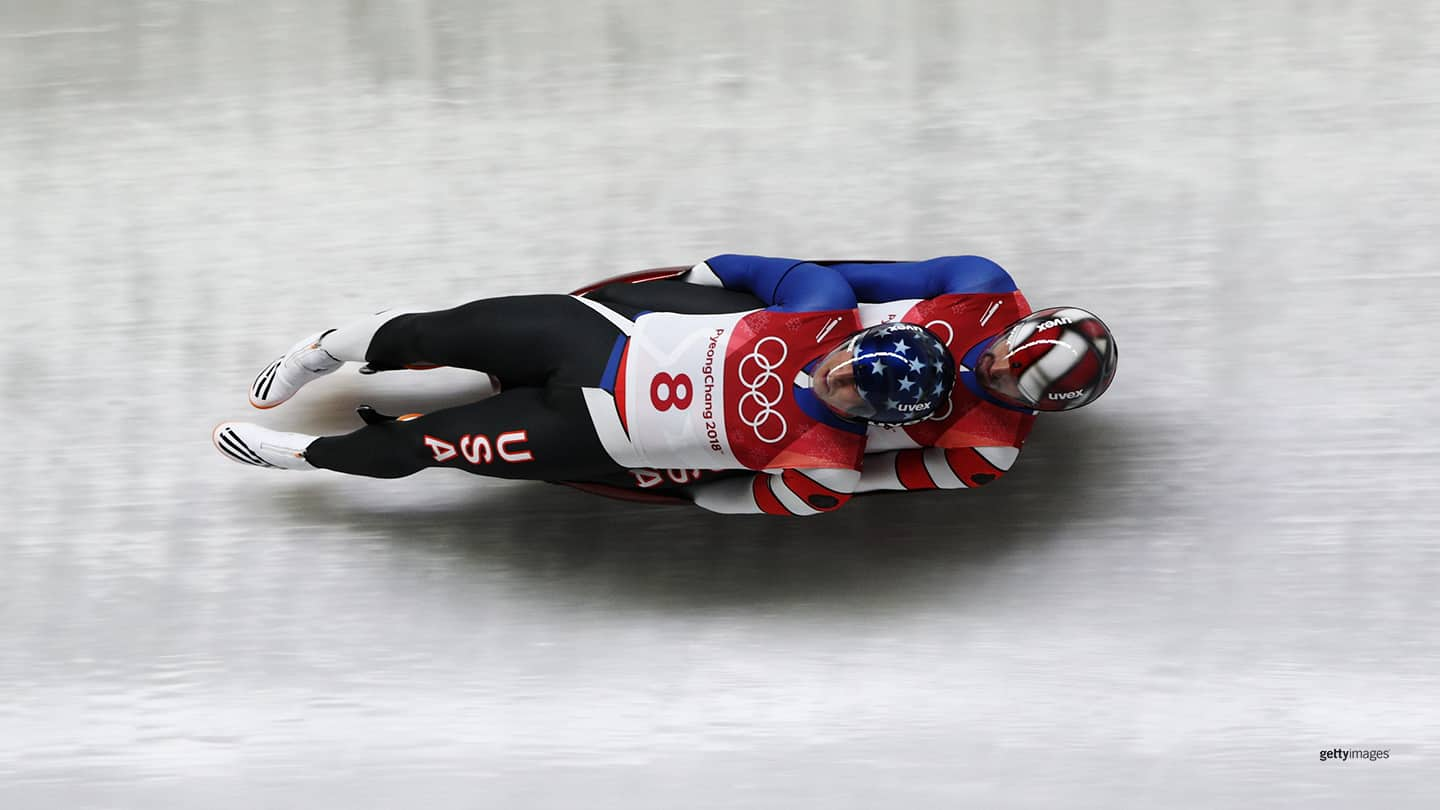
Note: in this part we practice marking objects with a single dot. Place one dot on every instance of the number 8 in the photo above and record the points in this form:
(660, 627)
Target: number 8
(678, 391)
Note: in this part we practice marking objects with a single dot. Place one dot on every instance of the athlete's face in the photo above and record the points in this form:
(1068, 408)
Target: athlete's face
(835, 382)
(996, 371)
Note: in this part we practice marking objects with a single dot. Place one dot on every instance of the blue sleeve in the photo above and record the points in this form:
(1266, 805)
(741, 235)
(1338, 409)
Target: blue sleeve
(784, 285)
(893, 281)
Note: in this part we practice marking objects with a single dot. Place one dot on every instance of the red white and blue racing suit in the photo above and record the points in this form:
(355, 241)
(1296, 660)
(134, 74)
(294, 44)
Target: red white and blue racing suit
(965, 300)
(728, 391)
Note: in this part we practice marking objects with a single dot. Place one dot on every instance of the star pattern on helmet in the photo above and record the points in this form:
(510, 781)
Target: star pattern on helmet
(903, 369)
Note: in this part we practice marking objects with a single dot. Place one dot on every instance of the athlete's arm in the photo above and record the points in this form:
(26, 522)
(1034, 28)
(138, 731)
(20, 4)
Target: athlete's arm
(896, 281)
(791, 492)
(785, 285)
(935, 468)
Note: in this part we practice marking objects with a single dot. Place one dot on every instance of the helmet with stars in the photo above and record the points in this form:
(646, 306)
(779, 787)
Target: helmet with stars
(893, 374)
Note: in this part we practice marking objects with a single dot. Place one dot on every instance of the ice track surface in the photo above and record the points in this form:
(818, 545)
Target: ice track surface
(1178, 598)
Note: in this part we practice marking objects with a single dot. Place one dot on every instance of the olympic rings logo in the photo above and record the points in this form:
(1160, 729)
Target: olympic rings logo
(757, 374)
(949, 330)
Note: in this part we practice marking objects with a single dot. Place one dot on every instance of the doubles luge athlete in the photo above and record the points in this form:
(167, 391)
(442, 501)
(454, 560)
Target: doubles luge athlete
(1012, 364)
(771, 409)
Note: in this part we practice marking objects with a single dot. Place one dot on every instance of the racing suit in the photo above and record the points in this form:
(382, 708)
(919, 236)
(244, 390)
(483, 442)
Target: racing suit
(965, 300)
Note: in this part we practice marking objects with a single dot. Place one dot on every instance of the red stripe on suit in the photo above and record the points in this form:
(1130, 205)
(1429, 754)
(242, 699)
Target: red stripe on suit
(768, 503)
(910, 469)
(620, 388)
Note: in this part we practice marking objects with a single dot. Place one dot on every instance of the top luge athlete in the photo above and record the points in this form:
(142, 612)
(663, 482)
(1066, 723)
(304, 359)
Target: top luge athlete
(786, 409)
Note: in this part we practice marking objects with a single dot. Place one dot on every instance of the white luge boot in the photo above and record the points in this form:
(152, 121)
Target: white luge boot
(316, 356)
(304, 362)
(259, 446)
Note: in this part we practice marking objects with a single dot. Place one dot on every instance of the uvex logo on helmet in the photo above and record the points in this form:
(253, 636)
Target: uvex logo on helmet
(1053, 322)
(1028, 328)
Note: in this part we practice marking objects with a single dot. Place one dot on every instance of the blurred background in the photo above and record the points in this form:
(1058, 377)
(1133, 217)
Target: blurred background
(1179, 596)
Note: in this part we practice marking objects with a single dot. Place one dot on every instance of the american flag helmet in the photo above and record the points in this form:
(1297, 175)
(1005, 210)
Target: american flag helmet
(1056, 359)
(902, 373)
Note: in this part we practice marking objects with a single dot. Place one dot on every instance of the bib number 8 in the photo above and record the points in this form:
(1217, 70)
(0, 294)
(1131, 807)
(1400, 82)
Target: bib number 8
(667, 391)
